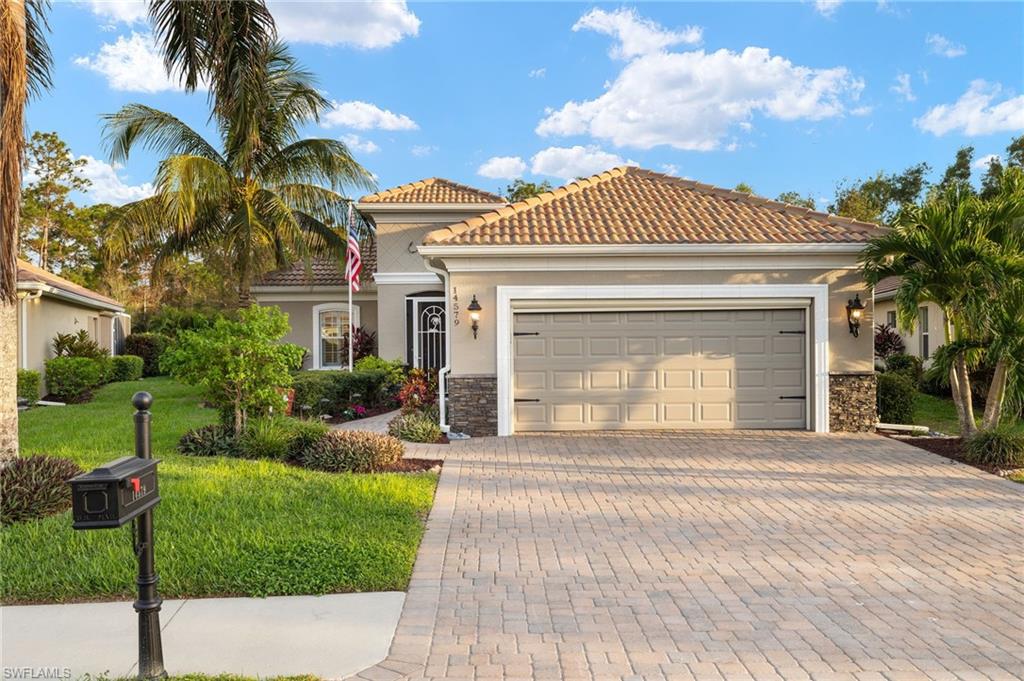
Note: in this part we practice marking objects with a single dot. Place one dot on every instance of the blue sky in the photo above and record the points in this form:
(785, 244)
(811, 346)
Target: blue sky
(791, 96)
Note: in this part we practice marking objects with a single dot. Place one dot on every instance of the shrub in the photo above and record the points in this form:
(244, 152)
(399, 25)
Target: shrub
(895, 398)
(125, 368)
(304, 435)
(909, 366)
(77, 345)
(1000, 447)
(148, 346)
(28, 384)
(266, 438)
(170, 320)
(415, 427)
(888, 342)
(212, 440)
(364, 344)
(393, 369)
(239, 364)
(353, 451)
(71, 378)
(35, 487)
(418, 391)
(364, 387)
(312, 390)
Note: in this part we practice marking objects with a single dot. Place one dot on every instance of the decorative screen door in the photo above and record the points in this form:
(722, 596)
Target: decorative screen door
(428, 332)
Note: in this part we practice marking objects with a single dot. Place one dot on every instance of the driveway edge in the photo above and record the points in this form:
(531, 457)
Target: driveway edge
(411, 643)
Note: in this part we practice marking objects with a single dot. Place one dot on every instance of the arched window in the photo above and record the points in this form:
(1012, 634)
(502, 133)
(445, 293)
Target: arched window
(330, 335)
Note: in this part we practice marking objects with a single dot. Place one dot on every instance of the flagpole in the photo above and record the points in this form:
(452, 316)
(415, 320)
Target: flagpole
(351, 327)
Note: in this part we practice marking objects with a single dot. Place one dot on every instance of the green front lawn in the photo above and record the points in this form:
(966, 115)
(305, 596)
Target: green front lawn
(938, 413)
(225, 526)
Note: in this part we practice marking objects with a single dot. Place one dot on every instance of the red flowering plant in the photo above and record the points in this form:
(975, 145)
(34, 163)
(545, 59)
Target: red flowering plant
(419, 390)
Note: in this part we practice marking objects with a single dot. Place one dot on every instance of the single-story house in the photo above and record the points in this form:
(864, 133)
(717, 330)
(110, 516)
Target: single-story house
(929, 332)
(627, 300)
(49, 304)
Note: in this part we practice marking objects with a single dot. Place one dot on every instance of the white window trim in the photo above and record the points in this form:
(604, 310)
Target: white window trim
(818, 324)
(406, 278)
(328, 307)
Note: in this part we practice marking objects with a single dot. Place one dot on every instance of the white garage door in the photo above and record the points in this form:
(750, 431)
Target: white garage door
(659, 369)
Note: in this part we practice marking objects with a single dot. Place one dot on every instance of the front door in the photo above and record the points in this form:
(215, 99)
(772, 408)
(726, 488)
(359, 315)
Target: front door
(426, 331)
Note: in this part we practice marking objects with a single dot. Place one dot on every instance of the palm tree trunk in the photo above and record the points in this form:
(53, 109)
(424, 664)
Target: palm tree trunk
(996, 395)
(13, 95)
(967, 425)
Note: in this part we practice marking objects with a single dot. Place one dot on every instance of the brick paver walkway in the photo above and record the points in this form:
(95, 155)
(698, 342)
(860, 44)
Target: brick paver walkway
(713, 555)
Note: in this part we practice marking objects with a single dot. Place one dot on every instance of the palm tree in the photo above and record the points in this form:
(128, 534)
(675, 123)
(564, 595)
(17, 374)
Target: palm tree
(24, 70)
(263, 195)
(948, 251)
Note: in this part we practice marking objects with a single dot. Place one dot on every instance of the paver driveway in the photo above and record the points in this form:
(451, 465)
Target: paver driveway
(714, 555)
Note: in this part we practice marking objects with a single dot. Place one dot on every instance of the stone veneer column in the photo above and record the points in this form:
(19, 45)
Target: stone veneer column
(473, 404)
(853, 407)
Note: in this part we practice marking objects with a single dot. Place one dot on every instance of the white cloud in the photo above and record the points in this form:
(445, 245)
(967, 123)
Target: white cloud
(357, 143)
(366, 25)
(670, 169)
(827, 8)
(130, 64)
(422, 150)
(634, 34)
(903, 88)
(983, 162)
(940, 44)
(119, 11)
(571, 162)
(538, 73)
(975, 114)
(366, 116)
(691, 100)
(107, 187)
(502, 168)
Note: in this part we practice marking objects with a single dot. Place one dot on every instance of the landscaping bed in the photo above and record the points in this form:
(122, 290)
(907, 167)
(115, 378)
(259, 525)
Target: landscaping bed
(226, 526)
(953, 448)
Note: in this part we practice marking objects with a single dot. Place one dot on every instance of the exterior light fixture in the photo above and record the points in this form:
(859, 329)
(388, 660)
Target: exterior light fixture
(474, 315)
(854, 312)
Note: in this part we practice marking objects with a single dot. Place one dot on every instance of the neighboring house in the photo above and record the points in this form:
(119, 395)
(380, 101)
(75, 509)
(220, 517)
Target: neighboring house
(929, 332)
(49, 304)
(627, 300)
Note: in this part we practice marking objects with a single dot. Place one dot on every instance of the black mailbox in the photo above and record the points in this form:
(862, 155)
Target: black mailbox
(114, 493)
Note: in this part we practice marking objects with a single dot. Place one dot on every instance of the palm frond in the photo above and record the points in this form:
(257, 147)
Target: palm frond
(316, 160)
(156, 130)
(39, 60)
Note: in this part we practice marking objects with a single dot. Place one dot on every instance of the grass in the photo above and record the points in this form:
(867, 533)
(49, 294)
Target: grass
(938, 413)
(225, 526)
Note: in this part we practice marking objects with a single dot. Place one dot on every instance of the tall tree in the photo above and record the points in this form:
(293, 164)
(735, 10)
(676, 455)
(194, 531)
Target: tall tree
(794, 199)
(958, 173)
(880, 198)
(24, 70)
(520, 190)
(744, 187)
(46, 208)
(264, 194)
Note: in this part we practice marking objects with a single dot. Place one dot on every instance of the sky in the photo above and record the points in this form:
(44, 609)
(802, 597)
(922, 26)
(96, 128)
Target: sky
(791, 96)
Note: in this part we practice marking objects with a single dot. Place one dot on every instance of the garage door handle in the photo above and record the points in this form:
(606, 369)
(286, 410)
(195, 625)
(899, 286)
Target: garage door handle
(526, 399)
(526, 333)
(795, 333)
(792, 397)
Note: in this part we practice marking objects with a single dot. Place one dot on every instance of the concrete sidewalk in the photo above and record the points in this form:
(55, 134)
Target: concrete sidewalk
(374, 424)
(330, 636)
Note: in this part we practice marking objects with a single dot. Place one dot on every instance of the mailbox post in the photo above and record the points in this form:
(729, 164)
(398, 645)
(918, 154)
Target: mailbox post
(126, 490)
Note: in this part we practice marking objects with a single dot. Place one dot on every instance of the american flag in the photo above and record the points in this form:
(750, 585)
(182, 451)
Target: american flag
(353, 260)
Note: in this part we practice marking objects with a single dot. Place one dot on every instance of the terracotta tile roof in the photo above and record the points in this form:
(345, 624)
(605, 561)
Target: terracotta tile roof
(323, 271)
(629, 205)
(887, 285)
(433, 190)
(29, 273)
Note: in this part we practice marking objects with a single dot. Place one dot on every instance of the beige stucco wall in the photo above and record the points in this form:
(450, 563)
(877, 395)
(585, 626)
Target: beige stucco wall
(393, 241)
(391, 316)
(470, 357)
(300, 315)
(46, 316)
(912, 339)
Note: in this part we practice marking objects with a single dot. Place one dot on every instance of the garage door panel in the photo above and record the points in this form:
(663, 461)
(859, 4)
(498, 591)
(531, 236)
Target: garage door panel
(660, 369)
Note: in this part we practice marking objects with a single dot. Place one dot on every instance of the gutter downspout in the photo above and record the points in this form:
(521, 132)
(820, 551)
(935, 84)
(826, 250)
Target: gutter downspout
(442, 373)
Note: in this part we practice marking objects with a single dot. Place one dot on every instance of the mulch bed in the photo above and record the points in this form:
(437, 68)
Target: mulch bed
(950, 448)
(413, 465)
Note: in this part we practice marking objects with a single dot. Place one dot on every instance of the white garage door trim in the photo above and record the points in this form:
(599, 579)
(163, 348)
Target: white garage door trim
(817, 294)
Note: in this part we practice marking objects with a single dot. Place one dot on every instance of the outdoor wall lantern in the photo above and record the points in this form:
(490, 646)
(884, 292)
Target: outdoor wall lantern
(474, 315)
(854, 312)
